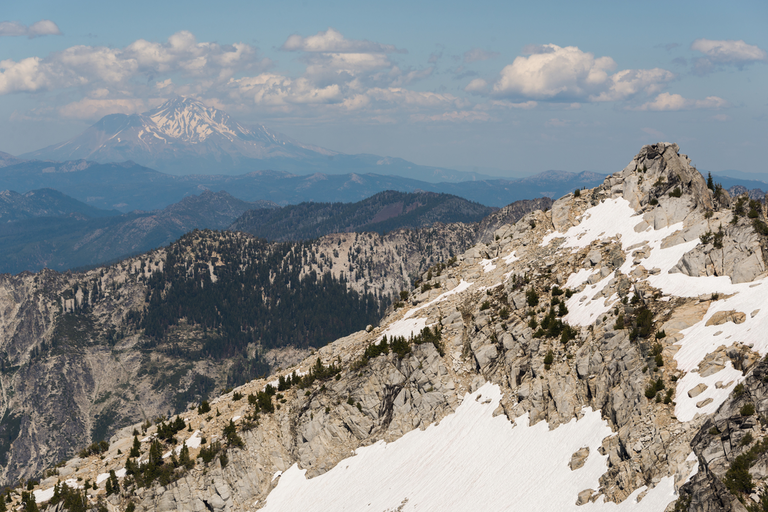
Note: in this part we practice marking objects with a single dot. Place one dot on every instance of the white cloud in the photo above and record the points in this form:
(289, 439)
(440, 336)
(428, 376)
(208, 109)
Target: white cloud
(453, 117)
(629, 82)
(496, 104)
(568, 74)
(401, 96)
(95, 108)
(729, 51)
(332, 64)
(400, 78)
(478, 54)
(332, 41)
(144, 60)
(554, 73)
(269, 89)
(25, 75)
(478, 85)
(40, 28)
(673, 102)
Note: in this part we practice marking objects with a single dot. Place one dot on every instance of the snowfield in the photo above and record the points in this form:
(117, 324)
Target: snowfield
(471, 460)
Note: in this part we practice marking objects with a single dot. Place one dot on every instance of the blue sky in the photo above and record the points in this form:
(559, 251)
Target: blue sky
(504, 87)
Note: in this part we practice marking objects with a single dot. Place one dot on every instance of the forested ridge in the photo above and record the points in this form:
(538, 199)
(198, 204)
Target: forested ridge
(381, 213)
(243, 291)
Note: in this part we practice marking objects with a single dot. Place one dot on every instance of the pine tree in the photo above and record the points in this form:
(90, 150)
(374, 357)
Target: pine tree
(710, 181)
(184, 458)
(136, 449)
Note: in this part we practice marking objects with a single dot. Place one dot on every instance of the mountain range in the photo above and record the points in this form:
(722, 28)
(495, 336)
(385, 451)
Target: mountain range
(47, 229)
(37, 235)
(128, 186)
(184, 136)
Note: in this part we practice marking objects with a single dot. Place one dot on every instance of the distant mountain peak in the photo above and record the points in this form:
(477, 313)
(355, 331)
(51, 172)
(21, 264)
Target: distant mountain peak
(191, 121)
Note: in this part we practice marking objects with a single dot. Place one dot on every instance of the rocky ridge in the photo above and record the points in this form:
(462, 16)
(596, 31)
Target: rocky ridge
(629, 299)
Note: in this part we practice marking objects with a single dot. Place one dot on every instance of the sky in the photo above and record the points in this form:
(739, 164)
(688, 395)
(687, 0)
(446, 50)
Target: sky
(504, 88)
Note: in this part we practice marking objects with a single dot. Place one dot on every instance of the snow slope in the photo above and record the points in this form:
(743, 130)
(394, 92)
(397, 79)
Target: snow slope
(471, 460)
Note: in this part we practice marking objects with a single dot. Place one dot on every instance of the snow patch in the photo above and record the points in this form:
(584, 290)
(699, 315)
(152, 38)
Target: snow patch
(585, 307)
(488, 265)
(405, 327)
(511, 258)
(463, 285)
(576, 279)
(471, 460)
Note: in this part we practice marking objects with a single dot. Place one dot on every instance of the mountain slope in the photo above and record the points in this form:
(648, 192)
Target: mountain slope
(380, 213)
(184, 136)
(44, 202)
(62, 242)
(84, 354)
(576, 359)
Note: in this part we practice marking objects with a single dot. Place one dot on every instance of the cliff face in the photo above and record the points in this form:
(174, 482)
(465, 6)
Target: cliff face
(580, 356)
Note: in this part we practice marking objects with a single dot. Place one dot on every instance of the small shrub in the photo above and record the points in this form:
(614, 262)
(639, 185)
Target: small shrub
(676, 192)
(747, 439)
(485, 305)
(204, 407)
(504, 313)
(653, 388)
(660, 335)
(659, 360)
(577, 193)
(717, 239)
(738, 390)
(619, 322)
(548, 359)
(237, 396)
(653, 201)
(231, 435)
(532, 297)
(760, 227)
(747, 409)
(210, 452)
(714, 431)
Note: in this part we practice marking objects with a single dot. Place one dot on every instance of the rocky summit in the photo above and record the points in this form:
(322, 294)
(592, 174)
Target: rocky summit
(606, 354)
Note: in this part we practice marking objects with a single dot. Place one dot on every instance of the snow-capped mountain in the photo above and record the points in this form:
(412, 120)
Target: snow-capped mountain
(184, 136)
